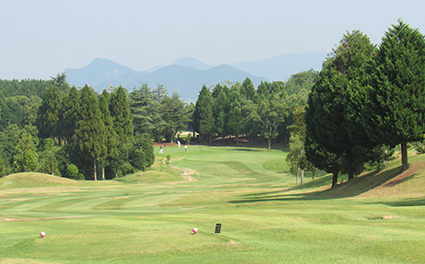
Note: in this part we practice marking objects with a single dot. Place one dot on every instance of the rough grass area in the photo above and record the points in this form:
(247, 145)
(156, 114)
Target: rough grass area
(147, 217)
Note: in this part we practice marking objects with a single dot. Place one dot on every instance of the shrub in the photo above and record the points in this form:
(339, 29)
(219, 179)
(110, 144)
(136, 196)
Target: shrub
(72, 171)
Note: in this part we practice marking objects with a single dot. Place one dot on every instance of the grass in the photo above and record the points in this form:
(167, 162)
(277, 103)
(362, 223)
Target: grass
(266, 218)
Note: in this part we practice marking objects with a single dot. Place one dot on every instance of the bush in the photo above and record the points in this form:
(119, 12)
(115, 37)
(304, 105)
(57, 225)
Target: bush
(80, 177)
(72, 172)
(419, 147)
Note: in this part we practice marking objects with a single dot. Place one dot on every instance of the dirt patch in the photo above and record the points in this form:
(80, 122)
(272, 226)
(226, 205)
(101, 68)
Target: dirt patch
(187, 174)
(404, 175)
(233, 243)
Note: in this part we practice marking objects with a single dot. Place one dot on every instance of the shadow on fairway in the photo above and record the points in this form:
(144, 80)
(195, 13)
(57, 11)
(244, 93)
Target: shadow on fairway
(350, 188)
(407, 202)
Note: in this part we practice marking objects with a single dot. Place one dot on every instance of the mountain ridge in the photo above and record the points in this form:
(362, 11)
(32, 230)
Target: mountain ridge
(187, 75)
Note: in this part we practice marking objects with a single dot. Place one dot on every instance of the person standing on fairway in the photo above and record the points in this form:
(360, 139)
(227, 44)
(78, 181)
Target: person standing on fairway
(160, 150)
(185, 148)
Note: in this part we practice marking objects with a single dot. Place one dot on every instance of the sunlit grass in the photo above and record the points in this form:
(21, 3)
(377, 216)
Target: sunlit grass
(147, 217)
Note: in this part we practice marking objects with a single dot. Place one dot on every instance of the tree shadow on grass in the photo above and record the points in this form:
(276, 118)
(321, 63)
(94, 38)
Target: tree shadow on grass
(407, 202)
(346, 189)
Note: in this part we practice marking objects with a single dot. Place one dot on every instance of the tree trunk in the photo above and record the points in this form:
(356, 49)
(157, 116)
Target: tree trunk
(302, 177)
(103, 171)
(224, 142)
(334, 179)
(313, 173)
(94, 167)
(349, 155)
(270, 143)
(237, 139)
(298, 172)
(172, 136)
(404, 163)
(210, 140)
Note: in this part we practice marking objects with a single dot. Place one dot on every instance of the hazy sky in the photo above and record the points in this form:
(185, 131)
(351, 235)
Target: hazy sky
(40, 38)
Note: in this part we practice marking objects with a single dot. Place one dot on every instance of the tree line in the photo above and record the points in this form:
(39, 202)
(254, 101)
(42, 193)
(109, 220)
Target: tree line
(230, 110)
(367, 100)
(76, 130)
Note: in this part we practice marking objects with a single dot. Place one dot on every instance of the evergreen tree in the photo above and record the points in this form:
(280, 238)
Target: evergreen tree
(9, 139)
(141, 107)
(120, 112)
(91, 131)
(26, 158)
(111, 141)
(220, 113)
(70, 113)
(235, 124)
(48, 115)
(395, 105)
(332, 115)
(323, 159)
(204, 122)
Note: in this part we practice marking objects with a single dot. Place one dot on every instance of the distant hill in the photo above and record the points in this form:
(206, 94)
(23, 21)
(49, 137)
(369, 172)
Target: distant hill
(193, 63)
(186, 81)
(187, 75)
(280, 68)
(99, 73)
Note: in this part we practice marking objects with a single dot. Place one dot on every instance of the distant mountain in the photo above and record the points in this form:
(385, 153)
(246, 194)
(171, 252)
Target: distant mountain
(186, 81)
(187, 75)
(99, 73)
(280, 68)
(193, 63)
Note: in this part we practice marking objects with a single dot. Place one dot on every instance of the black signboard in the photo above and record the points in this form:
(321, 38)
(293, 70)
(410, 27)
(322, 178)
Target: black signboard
(217, 228)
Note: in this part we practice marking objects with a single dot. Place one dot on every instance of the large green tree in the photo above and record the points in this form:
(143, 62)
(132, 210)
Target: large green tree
(26, 157)
(70, 113)
(91, 132)
(395, 103)
(111, 141)
(48, 115)
(221, 106)
(269, 109)
(333, 105)
(143, 109)
(120, 112)
(174, 113)
(203, 120)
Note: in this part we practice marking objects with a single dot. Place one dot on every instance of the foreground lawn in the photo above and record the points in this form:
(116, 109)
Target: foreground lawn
(148, 217)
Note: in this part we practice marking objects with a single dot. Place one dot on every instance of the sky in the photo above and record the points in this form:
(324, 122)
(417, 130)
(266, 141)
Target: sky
(41, 38)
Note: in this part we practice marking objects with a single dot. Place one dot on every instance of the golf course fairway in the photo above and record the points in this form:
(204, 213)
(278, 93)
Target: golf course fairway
(148, 217)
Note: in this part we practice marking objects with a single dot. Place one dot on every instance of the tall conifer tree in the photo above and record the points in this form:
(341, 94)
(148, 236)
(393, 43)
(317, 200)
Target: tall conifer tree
(120, 112)
(91, 131)
(395, 105)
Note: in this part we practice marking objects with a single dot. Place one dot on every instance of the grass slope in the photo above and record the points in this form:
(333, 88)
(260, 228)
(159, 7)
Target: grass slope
(147, 218)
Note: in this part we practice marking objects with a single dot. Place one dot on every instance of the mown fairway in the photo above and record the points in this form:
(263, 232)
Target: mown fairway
(148, 218)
